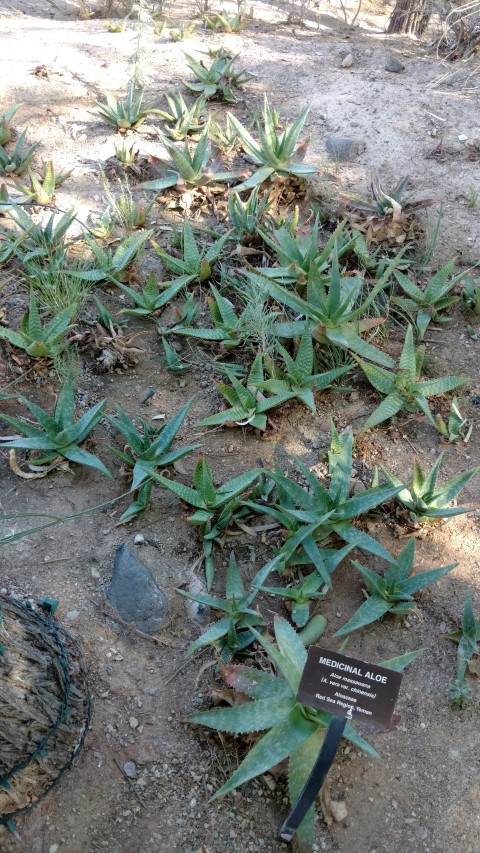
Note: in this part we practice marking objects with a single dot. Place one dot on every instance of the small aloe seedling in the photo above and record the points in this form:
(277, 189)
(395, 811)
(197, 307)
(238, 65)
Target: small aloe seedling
(217, 81)
(151, 299)
(36, 339)
(229, 329)
(231, 634)
(194, 262)
(58, 434)
(42, 190)
(467, 638)
(299, 377)
(404, 389)
(181, 120)
(174, 363)
(311, 516)
(146, 451)
(128, 113)
(5, 121)
(215, 508)
(247, 216)
(471, 293)
(429, 303)
(276, 153)
(125, 153)
(225, 138)
(423, 499)
(182, 31)
(189, 170)
(456, 422)
(19, 160)
(299, 596)
(292, 731)
(392, 593)
(248, 404)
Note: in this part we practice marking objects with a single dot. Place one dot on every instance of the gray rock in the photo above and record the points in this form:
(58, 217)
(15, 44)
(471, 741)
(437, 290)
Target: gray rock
(347, 62)
(394, 65)
(135, 594)
(342, 149)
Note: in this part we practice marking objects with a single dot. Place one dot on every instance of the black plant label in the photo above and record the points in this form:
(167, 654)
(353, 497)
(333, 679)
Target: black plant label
(349, 688)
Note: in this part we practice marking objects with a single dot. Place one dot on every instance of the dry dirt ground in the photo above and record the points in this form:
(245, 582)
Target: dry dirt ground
(423, 795)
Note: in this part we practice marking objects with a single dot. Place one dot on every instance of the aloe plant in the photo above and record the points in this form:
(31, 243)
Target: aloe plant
(300, 595)
(152, 299)
(230, 634)
(19, 160)
(247, 216)
(404, 389)
(219, 80)
(310, 517)
(385, 215)
(128, 113)
(427, 304)
(467, 638)
(41, 241)
(293, 731)
(248, 404)
(455, 424)
(174, 363)
(112, 267)
(299, 255)
(423, 499)
(471, 293)
(42, 190)
(392, 593)
(299, 377)
(276, 153)
(334, 317)
(125, 153)
(222, 22)
(58, 434)
(189, 170)
(194, 262)
(5, 120)
(215, 508)
(182, 120)
(146, 451)
(40, 340)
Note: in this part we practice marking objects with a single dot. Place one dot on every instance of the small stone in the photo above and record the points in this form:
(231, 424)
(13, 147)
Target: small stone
(139, 539)
(133, 722)
(348, 61)
(394, 65)
(53, 848)
(94, 573)
(73, 614)
(339, 810)
(130, 769)
(462, 137)
(193, 802)
(135, 594)
(343, 149)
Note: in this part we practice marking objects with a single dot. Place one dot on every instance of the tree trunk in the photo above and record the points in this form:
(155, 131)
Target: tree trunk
(409, 16)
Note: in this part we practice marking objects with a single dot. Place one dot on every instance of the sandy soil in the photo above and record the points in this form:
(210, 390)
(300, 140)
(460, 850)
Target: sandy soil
(423, 795)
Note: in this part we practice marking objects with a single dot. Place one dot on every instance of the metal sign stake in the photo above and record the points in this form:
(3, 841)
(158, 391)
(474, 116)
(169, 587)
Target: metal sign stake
(316, 779)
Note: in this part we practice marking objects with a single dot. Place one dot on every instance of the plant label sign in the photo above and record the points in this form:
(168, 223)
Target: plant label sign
(349, 688)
